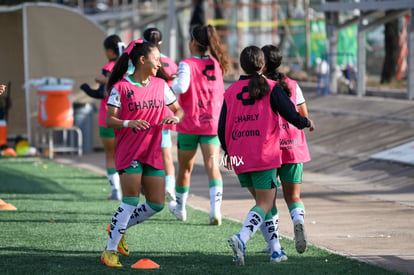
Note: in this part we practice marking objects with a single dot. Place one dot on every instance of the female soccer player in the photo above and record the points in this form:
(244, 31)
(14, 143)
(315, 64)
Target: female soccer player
(200, 85)
(293, 147)
(168, 72)
(113, 47)
(136, 112)
(248, 131)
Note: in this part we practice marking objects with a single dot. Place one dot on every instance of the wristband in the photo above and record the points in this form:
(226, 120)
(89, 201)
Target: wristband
(125, 123)
(177, 118)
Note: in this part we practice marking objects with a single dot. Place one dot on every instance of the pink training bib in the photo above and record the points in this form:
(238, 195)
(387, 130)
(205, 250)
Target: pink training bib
(203, 100)
(145, 103)
(251, 130)
(292, 142)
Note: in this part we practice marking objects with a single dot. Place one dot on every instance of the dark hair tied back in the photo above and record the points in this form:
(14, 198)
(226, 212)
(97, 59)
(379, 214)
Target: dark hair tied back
(121, 66)
(153, 35)
(258, 86)
(273, 57)
(252, 62)
(112, 42)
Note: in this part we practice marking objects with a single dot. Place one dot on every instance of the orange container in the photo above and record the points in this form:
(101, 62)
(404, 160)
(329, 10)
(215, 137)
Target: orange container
(55, 106)
(3, 132)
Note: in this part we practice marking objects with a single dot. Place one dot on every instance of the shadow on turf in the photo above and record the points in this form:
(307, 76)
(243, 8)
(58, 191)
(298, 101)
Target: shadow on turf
(19, 183)
(37, 261)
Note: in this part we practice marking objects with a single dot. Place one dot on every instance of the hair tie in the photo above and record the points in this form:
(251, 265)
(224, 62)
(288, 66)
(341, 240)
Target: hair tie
(146, 41)
(121, 47)
(132, 45)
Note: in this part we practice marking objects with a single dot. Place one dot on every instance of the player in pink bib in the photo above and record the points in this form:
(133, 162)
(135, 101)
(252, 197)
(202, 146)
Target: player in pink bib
(136, 112)
(168, 71)
(294, 149)
(248, 131)
(113, 49)
(200, 87)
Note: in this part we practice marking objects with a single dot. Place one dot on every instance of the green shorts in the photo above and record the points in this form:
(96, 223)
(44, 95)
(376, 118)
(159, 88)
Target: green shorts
(106, 132)
(265, 179)
(291, 173)
(190, 142)
(142, 168)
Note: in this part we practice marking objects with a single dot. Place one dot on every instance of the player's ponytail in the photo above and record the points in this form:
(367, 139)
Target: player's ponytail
(114, 43)
(273, 57)
(118, 72)
(217, 49)
(252, 62)
(206, 38)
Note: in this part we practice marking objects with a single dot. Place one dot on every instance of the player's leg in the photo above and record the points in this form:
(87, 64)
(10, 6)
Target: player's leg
(264, 184)
(186, 152)
(210, 147)
(131, 183)
(153, 183)
(291, 183)
(167, 157)
(108, 140)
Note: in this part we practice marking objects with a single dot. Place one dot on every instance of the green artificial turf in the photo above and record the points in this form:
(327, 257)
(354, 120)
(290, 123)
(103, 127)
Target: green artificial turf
(59, 228)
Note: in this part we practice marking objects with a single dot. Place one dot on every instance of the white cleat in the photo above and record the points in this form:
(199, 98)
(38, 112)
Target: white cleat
(278, 257)
(180, 215)
(238, 249)
(170, 195)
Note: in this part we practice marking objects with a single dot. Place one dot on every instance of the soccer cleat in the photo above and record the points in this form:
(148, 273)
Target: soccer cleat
(215, 220)
(238, 249)
(300, 236)
(170, 194)
(115, 195)
(110, 258)
(266, 250)
(122, 245)
(179, 214)
(278, 257)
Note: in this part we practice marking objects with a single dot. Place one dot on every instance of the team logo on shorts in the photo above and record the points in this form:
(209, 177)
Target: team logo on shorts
(135, 164)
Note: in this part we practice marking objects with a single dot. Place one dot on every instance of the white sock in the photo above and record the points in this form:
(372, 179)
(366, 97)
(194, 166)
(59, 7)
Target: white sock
(270, 235)
(141, 213)
(297, 214)
(252, 222)
(216, 196)
(181, 199)
(114, 181)
(118, 225)
(276, 222)
(170, 182)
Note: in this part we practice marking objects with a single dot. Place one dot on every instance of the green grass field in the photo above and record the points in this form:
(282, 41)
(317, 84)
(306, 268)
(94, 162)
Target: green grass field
(59, 228)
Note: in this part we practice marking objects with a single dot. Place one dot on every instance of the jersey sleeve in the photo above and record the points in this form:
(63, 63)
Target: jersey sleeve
(169, 96)
(299, 95)
(182, 82)
(114, 98)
